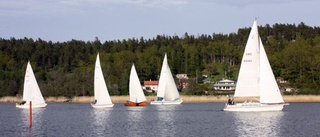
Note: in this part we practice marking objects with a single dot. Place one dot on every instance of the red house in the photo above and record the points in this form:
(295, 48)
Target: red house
(150, 85)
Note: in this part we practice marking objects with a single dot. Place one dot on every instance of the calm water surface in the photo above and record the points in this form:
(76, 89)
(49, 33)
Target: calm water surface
(187, 119)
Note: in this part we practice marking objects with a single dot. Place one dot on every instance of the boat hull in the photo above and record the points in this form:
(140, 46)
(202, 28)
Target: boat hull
(175, 102)
(33, 105)
(133, 104)
(253, 107)
(102, 105)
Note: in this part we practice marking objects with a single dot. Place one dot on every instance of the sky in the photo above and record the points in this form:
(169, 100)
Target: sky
(64, 20)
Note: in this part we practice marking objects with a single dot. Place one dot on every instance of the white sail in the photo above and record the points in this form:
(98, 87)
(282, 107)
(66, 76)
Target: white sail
(167, 87)
(269, 90)
(31, 90)
(101, 94)
(163, 79)
(171, 92)
(135, 89)
(248, 78)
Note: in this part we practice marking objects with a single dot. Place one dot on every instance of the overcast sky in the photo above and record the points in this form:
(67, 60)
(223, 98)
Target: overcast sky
(63, 20)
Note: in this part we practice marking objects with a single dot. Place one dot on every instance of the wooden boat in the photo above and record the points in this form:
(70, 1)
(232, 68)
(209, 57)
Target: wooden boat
(130, 103)
(137, 97)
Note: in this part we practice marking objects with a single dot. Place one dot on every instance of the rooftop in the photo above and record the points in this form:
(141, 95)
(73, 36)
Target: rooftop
(226, 80)
(150, 82)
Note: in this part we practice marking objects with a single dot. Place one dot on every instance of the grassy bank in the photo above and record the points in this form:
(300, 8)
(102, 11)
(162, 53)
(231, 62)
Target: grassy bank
(186, 99)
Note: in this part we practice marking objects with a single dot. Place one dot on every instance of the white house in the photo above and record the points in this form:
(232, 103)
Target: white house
(182, 76)
(225, 84)
(150, 85)
(183, 80)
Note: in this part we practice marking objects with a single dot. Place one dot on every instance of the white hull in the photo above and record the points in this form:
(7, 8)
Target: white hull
(102, 105)
(253, 107)
(33, 106)
(175, 102)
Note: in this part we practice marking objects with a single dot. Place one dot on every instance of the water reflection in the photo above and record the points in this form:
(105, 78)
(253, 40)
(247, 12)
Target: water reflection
(201, 119)
(166, 121)
(258, 124)
(135, 120)
(100, 121)
(37, 122)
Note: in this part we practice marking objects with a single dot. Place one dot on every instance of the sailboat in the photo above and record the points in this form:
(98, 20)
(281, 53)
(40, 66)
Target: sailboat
(256, 79)
(101, 94)
(31, 91)
(137, 97)
(167, 90)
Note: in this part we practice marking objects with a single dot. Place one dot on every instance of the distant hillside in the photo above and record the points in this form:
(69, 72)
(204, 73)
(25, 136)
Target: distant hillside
(66, 68)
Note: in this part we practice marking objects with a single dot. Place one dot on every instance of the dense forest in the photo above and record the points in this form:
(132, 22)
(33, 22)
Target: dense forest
(66, 68)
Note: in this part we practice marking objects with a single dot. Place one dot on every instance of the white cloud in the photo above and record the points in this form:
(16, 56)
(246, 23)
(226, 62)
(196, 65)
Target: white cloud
(141, 3)
(244, 3)
(18, 8)
(157, 3)
(53, 7)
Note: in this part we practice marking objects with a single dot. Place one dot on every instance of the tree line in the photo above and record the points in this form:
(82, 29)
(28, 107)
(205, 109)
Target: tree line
(66, 68)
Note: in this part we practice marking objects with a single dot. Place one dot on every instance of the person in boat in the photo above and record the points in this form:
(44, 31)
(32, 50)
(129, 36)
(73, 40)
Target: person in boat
(94, 102)
(22, 102)
(160, 99)
(230, 101)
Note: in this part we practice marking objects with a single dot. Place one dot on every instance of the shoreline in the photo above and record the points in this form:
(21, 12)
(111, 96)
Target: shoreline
(186, 99)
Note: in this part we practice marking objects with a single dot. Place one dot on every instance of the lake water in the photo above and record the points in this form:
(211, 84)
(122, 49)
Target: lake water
(187, 119)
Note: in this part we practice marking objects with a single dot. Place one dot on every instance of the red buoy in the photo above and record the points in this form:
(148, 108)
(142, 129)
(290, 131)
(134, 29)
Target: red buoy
(30, 114)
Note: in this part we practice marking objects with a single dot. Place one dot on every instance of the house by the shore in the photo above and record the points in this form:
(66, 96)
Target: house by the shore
(224, 86)
(182, 80)
(150, 85)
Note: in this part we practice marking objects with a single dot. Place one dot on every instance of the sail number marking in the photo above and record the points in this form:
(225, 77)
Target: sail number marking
(248, 60)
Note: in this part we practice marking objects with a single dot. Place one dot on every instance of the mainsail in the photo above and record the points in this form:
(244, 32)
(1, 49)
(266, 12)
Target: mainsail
(101, 94)
(31, 90)
(167, 87)
(248, 78)
(135, 89)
